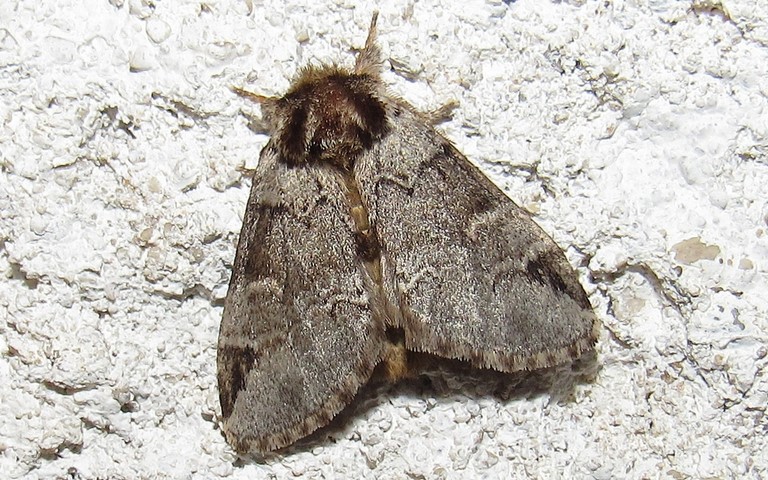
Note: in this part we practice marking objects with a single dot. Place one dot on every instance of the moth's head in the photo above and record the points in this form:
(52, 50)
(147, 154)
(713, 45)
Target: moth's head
(328, 115)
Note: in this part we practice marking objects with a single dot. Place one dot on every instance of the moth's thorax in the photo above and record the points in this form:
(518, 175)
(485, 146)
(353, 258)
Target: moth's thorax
(330, 116)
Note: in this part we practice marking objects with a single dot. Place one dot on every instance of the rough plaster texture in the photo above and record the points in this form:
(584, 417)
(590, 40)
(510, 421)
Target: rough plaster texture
(637, 133)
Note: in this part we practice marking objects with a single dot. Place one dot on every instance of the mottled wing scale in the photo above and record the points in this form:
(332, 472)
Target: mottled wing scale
(367, 233)
(475, 277)
(295, 299)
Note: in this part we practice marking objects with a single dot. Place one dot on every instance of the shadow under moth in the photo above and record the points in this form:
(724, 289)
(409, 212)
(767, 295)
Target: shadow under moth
(367, 236)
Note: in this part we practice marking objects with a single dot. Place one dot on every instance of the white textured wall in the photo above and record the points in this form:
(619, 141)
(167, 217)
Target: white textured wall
(637, 134)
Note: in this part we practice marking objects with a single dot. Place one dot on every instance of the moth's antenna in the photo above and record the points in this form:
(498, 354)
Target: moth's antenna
(254, 97)
(369, 59)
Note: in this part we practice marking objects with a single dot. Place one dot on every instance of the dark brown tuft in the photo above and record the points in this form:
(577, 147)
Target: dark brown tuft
(368, 246)
(293, 135)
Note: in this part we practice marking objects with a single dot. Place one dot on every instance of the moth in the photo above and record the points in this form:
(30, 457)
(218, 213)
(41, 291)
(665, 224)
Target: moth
(368, 235)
